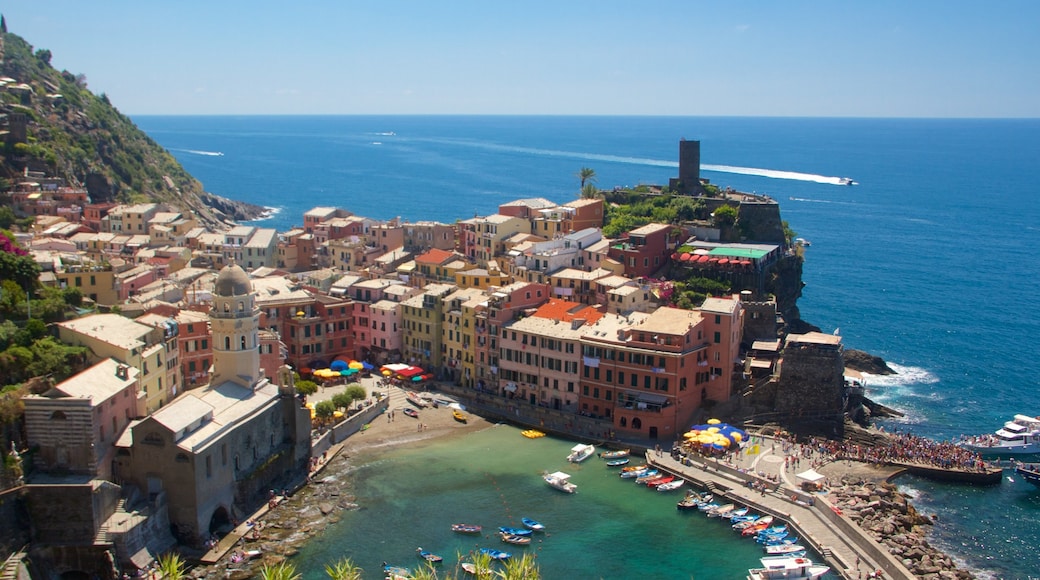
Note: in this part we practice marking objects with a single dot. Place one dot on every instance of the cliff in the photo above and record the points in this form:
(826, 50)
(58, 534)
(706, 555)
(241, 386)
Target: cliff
(54, 126)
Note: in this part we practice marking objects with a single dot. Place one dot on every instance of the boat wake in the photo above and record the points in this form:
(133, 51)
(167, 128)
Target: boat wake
(777, 174)
(197, 152)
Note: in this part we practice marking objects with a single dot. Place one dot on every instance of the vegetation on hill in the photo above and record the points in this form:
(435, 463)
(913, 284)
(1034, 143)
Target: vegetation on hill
(81, 137)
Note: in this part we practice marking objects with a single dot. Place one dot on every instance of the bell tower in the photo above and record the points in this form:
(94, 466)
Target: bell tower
(235, 327)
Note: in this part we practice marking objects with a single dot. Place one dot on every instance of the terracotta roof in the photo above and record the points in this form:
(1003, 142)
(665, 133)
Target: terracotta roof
(435, 256)
(567, 311)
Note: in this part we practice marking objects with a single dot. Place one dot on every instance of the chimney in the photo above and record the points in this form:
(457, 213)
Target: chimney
(121, 371)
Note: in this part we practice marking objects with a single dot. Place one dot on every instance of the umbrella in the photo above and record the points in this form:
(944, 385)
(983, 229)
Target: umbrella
(700, 427)
(416, 378)
(367, 365)
(338, 365)
(713, 421)
(387, 373)
(355, 365)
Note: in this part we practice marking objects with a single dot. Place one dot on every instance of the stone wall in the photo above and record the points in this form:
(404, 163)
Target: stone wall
(14, 532)
(70, 513)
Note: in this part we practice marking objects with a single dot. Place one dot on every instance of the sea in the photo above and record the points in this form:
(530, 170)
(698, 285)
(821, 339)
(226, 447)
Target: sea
(930, 261)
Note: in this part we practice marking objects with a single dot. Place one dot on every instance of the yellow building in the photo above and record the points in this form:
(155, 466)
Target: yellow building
(459, 334)
(423, 319)
(483, 277)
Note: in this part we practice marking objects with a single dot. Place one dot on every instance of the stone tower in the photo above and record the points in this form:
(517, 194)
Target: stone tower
(689, 180)
(235, 324)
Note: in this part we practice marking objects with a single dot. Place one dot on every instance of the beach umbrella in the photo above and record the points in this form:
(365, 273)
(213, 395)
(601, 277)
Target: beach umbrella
(713, 429)
(700, 427)
(367, 365)
(387, 373)
(714, 421)
(355, 365)
(416, 378)
(338, 365)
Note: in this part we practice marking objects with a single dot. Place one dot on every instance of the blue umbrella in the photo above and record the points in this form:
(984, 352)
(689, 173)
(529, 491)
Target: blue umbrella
(338, 365)
(367, 366)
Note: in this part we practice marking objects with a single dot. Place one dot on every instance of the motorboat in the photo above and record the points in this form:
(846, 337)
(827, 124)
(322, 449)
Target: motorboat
(846, 181)
(1020, 436)
(532, 524)
(618, 454)
(514, 531)
(466, 528)
(560, 481)
(580, 452)
(741, 511)
(428, 556)
(787, 567)
(1030, 471)
(784, 550)
(671, 485)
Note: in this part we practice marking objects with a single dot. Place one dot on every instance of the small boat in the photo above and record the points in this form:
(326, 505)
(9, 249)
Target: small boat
(532, 433)
(515, 539)
(466, 528)
(1020, 436)
(496, 554)
(396, 572)
(514, 531)
(459, 416)
(779, 541)
(580, 452)
(471, 568)
(635, 473)
(660, 480)
(428, 556)
(532, 524)
(746, 523)
(415, 399)
(687, 503)
(784, 549)
(708, 506)
(721, 511)
(744, 518)
(671, 485)
(615, 454)
(737, 513)
(560, 481)
(251, 554)
(650, 474)
(846, 181)
(759, 525)
(635, 467)
(618, 462)
(411, 412)
(787, 567)
(1030, 472)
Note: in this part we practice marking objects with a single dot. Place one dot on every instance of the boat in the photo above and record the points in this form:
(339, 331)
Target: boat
(647, 476)
(496, 554)
(618, 462)
(721, 511)
(532, 433)
(428, 556)
(532, 524)
(411, 412)
(471, 568)
(687, 503)
(251, 554)
(560, 481)
(641, 467)
(615, 454)
(396, 572)
(466, 528)
(744, 518)
(635, 473)
(1029, 471)
(415, 399)
(580, 452)
(660, 481)
(787, 567)
(777, 541)
(784, 550)
(459, 416)
(515, 539)
(846, 181)
(745, 524)
(514, 531)
(671, 485)
(708, 506)
(1020, 436)
(739, 512)
(756, 527)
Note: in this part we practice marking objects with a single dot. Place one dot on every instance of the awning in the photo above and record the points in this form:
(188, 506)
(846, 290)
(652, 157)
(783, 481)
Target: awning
(811, 475)
(651, 398)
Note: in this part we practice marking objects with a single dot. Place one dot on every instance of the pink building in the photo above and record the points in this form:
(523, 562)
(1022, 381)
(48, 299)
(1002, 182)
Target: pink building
(645, 251)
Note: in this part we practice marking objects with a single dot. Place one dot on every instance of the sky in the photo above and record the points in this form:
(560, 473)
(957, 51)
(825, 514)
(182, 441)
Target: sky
(823, 58)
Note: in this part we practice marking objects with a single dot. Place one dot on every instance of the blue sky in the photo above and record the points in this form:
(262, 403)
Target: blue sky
(874, 58)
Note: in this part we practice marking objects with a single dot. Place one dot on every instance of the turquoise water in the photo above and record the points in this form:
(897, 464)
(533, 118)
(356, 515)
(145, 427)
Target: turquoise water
(930, 262)
(611, 528)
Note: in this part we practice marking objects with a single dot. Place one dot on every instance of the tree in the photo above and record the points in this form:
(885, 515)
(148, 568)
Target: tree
(356, 393)
(44, 55)
(171, 566)
(725, 216)
(344, 569)
(306, 388)
(589, 191)
(324, 410)
(342, 400)
(586, 175)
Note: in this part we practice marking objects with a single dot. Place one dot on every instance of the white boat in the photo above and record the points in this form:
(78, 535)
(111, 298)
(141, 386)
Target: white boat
(581, 452)
(671, 485)
(560, 481)
(722, 511)
(846, 181)
(1020, 436)
(787, 567)
(785, 550)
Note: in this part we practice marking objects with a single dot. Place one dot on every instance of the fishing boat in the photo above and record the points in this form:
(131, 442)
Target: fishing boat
(636, 473)
(741, 511)
(411, 412)
(580, 452)
(514, 531)
(1020, 436)
(744, 518)
(471, 568)
(787, 567)
(635, 467)
(532, 524)
(496, 554)
(745, 524)
(756, 527)
(721, 511)
(415, 399)
(650, 474)
(466, 528)
(687, 503)
(560, 481)
(779, 541)
(515, 539)
(618, 462)
(671, 485)
(396, 572)
(615, 454)
(532, 433)
(428, 556)
(459, 416)
(1029, 471)
(784, 550)
(661, 480)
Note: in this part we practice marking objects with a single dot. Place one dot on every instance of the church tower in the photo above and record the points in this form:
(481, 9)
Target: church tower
(235, 325)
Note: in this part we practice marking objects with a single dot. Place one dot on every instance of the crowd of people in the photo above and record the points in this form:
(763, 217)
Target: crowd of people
(901, 448)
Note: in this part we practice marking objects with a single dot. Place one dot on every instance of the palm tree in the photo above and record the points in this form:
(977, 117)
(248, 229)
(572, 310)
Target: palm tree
(587, 175)
(344, 569)
(589, 191)
(171, 566)
(279, 571)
